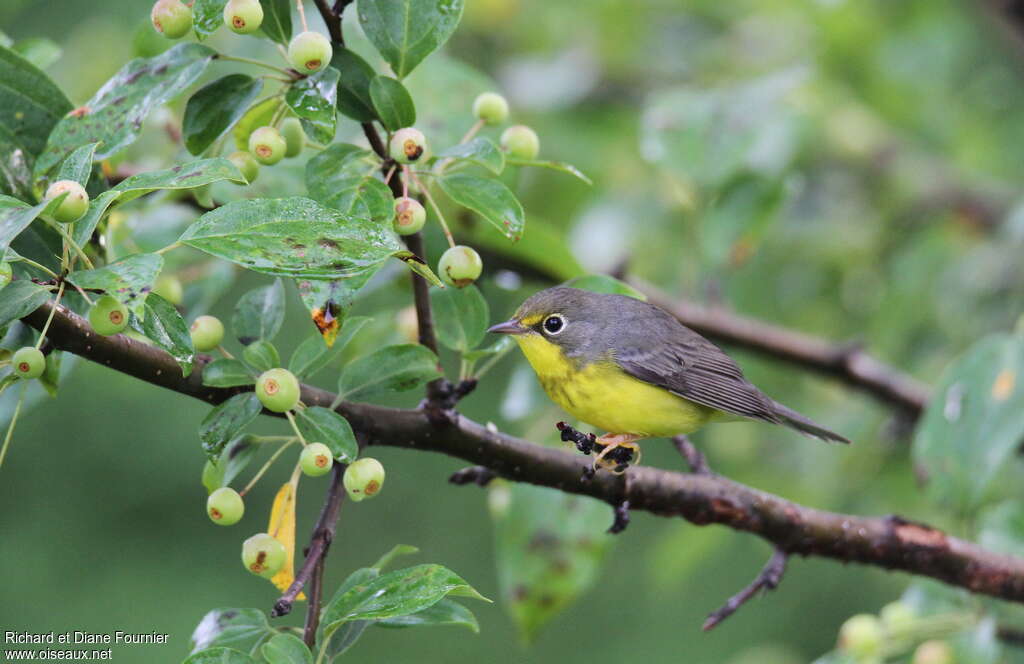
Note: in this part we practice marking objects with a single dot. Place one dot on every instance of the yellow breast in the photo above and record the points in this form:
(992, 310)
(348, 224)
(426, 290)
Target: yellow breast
(604, 396)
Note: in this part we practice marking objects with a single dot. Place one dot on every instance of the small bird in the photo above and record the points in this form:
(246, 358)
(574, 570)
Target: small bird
(632, 369)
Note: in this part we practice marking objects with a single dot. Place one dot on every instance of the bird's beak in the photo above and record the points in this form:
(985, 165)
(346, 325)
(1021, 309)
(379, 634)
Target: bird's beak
(508, 327)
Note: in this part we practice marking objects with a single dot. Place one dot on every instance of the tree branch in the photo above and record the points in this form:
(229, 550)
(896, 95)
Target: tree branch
(886, 542)
(849, 363)
(768, 579)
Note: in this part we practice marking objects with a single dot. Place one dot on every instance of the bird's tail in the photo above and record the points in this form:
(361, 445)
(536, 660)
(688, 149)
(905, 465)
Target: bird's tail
(795, 420)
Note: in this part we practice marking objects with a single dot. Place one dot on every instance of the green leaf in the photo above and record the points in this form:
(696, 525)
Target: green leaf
(233, 459)
(293, 237)
(165, 327)
(392, 103)
(230, 627)
(490, 199)
(973, 423)
(344, 637)
(78, 165)
(445, 612)
(329, 300)
(30, 106)
(227, 372)
(222, 423)
(259, 115)
(335, 167)
(220, 656)
(20, 298)
(113, 117)
(261, 355)
(416, 264)
(354, 98)
(396, 593)
(313, 100)
(550, 548)
(461, 316)
(498, 347)
(15, 217)
(543, 249)
(602, 283)
(392, 555)
(215, 108)
(314, 354)
(40, 51)
(277, 20)
(286, 649)
(183, 176)
(366, 198)
(480, 151)
(406, 31)
(323, 425)
(207, 16)
(553, 165)
(129, 280)
(259, 313)
(390, 369)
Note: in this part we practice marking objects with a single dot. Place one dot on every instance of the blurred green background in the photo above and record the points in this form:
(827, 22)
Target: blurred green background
(847, 168)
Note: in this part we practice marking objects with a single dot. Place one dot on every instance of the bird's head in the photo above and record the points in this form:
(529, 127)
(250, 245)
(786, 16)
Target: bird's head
(567, 318)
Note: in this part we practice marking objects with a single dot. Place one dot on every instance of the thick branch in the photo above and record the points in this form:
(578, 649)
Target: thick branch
(849, 363)
(886, 542)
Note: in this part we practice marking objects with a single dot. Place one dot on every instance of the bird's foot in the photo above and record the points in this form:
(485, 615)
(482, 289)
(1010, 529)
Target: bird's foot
(618, 453)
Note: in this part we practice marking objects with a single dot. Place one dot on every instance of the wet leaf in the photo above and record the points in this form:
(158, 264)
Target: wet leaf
(313, 100)
(215, 108)
(329, 300)
(113, 117)
(445, 612)
(294, 237)
(129, 280)
(390, 369)
(227, 372)
(165, 327)
(277, 20)
(490, 199)
(20, 298)
(314, 354)
(406, 31)
(259, 115)
(480, 151)
(261, 355)
(230, 627)
(259, 313)
(30, 106)
(337, 167)
(227, 419)
(353, 85)
(78, 165)
(15, 217)
(323, 425)
(286, 649)
(392, 103)
(207, 16)
(461, 316)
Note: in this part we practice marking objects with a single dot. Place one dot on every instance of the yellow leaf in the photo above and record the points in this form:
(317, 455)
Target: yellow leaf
(282, 528)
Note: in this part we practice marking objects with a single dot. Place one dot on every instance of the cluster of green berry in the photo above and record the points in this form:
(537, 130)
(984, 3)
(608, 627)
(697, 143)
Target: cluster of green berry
(870, 639)
(459, 265)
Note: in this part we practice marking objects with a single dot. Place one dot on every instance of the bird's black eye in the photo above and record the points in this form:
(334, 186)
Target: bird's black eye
(554, 324)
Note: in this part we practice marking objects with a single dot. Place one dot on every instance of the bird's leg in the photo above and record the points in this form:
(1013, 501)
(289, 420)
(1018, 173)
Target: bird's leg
(614, 441)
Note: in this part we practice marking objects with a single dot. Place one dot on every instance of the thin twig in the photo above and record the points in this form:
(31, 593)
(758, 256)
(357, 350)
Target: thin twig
(694, 458)
(768, 579)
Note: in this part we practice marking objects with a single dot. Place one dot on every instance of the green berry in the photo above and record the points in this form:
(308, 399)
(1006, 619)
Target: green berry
(108, 316)
(6, 274)
(897, 618)
(207, 333)
(243, 16)
(862, 636)
(460, 266)
(294, 136)
(933, 652)
(171, 18)
(246, 164)
(491, 108)
(521, 142)
(409, 216)
(363, 478)
(267, 145)
(28, 362)
(316, 459)
(309, 52)
(225, 507)
(263, 555)
(74, 204)
(278, 390)
(169, 287)
(407, 145)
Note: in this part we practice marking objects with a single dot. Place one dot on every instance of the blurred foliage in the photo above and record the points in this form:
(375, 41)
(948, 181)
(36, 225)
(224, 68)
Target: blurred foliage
(844, 168)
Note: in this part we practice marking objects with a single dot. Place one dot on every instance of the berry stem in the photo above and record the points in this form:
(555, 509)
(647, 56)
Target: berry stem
(10, 427)
(173, 245)
(295, 427)
(71, 242)
(251, 61)
(225, 353)
(387, 178)
(477, 126)
(49, 319)
(315, 146)
(433, 205)
(36, 265)
(405, 181)
(266, 467)
(302, 15)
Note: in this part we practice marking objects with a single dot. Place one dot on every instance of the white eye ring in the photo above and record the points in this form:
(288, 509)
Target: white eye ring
(555, 320)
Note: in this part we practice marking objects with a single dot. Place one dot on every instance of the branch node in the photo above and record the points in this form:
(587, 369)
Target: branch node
(621, 511)
(694, 458)
(768, 579)
(478, 475)
(282, 607)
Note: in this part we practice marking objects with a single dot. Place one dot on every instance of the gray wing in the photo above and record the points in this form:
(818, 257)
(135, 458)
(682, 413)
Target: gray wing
(687, 364)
